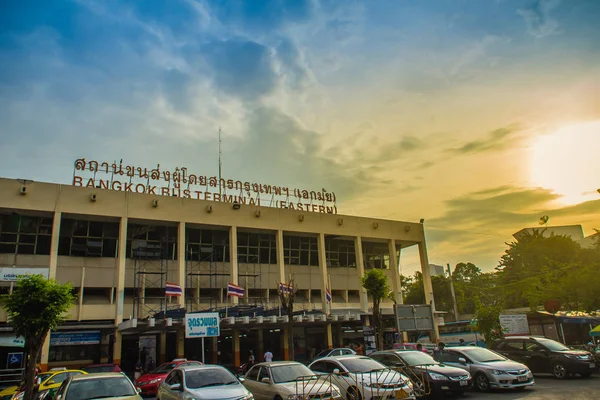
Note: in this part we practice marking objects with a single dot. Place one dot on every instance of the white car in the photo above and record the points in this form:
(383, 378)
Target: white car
(288, 380)
(360, 377)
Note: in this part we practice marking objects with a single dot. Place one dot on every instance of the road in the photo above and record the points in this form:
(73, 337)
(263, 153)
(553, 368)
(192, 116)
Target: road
(546, 388)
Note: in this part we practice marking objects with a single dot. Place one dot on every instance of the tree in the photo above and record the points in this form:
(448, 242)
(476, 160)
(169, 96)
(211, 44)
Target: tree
(35, 307)
(287, 298)
(375, 282)
(488, 321)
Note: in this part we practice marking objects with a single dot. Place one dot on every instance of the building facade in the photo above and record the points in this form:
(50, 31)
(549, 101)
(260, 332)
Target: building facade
(118, 249)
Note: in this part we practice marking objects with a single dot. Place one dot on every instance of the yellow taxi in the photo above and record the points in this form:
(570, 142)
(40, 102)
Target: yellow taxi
(50, 381)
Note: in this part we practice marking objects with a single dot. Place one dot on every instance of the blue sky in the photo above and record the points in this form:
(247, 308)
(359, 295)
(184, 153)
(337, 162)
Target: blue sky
(407, 109)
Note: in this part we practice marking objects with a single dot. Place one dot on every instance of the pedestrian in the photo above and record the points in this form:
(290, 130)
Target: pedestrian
(268, 356)
(461, 342)
(151, 364)
(143, 357)
(251, 358)
(420, 348)
(437, 353)
(138, 369)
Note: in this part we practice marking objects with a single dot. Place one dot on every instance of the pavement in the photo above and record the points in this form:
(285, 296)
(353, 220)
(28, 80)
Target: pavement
(546, 388)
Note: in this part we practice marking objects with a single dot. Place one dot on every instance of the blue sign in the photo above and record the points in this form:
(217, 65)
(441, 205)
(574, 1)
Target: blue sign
(198, 325)
(14, 360)
(74, 338)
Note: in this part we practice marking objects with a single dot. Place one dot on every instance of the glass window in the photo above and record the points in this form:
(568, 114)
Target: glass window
(253, 374)
(450, 357)
(512, 345)
(264, 373)
(200, 378)
(89, 388)
(20, 234)
(289, 373)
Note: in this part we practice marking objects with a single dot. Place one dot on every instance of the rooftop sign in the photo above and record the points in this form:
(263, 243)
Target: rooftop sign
(180, 183)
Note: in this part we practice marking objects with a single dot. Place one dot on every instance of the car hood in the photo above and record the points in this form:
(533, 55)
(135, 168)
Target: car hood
(219, 392)
(504, 365)
(576, 353)
(149, 377)
(441, 369)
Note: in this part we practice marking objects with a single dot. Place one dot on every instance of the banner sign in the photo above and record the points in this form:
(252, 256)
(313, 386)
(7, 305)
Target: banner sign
(74, 338)
(199, 325)
(514, 325)
(12, 341)
(180, 183)
(8, 274)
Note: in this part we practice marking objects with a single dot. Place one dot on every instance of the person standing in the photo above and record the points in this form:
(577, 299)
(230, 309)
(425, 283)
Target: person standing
(143, 356)
(251, 358)
(437, 353)
(268, 356)
(461, 342)
(138, 369)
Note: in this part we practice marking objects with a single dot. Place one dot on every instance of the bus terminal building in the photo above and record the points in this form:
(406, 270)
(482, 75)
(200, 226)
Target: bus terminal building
(119, 248)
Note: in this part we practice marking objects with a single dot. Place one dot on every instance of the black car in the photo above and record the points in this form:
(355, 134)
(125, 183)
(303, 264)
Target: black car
(428, 375)
(546, 355)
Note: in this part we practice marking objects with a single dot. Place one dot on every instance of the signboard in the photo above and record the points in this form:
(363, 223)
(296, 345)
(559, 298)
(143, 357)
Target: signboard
(414, 317)
(514, 325)
(369, 337)
(8, 274)
(181, 183)
(200, 325)
(74, 338)
(14, 360)
(12, 341)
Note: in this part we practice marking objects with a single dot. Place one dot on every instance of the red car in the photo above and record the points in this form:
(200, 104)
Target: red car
(149, 382)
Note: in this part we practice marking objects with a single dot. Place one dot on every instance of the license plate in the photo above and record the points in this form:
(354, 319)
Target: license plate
(522, 378)
(592, 365)
(401, 394)
(464, 383)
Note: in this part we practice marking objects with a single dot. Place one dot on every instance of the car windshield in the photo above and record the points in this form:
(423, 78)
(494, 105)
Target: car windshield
(98, 388)
(164, 369)
(289, 373)
(362, 364)
(206, 377)
(413, 358)
(553, 346)
(323, 353)
(483, 355)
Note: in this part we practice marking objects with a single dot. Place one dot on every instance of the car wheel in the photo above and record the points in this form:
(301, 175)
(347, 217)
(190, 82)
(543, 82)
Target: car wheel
(482, 382)
(353, 394)
(559, 371)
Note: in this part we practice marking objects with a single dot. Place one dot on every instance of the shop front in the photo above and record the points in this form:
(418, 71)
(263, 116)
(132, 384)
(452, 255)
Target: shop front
(76, 349)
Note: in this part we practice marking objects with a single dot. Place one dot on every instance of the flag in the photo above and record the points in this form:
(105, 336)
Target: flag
(328, 295)
(172, 289)
(285, 288)
(234, 290)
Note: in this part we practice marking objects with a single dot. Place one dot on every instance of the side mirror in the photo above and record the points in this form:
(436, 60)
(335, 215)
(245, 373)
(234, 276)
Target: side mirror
(265, 380)
(176, 386)
(336, 371)
(462, 360)
(139, 390)
(242, 379)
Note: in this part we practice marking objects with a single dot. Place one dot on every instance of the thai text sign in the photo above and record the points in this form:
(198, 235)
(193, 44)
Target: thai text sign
(515, 325)
(180, 183)
(74, 338)
(12, 341)
(199, 325)
(8, 274)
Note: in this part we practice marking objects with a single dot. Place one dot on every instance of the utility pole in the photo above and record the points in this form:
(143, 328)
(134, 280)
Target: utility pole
(453, 295)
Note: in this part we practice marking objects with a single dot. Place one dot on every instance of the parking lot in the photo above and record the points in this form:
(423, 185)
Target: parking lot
(546, 388)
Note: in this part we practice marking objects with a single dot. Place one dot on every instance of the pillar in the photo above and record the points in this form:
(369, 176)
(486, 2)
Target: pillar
(180, 343)
(181, 246)
(233, 257)
(280, 255)
(261, 346)
(162, 350)
(427, 284)
(340, 335)
(329, 336)
(323, 269)
(52, 266)
(285, 343)
(214, 342)
(360, 268)
(236, 348)
(120, 286)
(396, 285)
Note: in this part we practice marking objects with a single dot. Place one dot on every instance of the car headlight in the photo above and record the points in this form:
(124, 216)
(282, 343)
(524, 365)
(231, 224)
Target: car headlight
(155, 381)
(575, 357)
(437, 377)
(497, 372)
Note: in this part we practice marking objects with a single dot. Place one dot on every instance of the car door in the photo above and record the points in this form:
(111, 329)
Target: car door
(166, 393)
(452, 358)
(537, 357)
(251, 380)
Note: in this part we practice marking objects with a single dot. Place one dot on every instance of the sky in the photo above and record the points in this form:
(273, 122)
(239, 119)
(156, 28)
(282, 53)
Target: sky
(477, 116)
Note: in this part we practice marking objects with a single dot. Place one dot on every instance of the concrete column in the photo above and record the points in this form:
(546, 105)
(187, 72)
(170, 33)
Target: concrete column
(81, 288)
(396, 285)
(236, 348)
(117, 348)
(233, 256)
(285, 344)
(120, 286)
(360, 269)
(340, 335)
(214, 342)
(52, 266)
(162, 348)
(181, 343)
(181, 246)
(280, 256)
(427, 284)
(261, 345)
(323, 269)
(329, 336)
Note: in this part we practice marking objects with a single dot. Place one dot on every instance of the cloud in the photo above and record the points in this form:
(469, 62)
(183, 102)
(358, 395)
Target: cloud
(495, 140)
(537, 18)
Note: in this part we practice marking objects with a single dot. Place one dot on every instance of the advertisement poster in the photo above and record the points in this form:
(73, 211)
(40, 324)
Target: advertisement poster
(369, 337)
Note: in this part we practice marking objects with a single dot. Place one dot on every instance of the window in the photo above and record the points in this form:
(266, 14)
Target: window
(81, 238)
(253, 374)
(324, 367)
(340, 253)
(450, 357)
(376, 255)
(512, 345)
(264, 373)
(256, 248)
(207, 245)
(22, 234)
(300, 250)
(151, 242)
(533, 346)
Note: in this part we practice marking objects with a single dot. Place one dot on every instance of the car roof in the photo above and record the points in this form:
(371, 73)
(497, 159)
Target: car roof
(278, 363)
(463, 348)
(345, 357)
(198, 367)
(98, 375)
(396, 351)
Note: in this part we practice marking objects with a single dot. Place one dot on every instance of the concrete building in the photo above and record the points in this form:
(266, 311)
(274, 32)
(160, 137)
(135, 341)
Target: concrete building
(436, 270)
(118, 249)
(575, 232)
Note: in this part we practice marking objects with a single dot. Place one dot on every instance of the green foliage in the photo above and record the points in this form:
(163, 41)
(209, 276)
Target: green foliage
(487, 321)
(36, 306)
(376, 284)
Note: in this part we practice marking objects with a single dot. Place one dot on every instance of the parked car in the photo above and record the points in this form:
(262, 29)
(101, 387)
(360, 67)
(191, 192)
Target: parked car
(94, 368)
(287, 380)
(489, 370)
(50, 382)
(427, 348)
(360, 377)
(428, 376)
(334, 352)
(546, 355)
(202, 382)
(108, 385)
(148, 383)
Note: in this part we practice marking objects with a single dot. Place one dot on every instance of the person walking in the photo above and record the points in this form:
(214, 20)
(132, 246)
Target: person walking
(268, 356)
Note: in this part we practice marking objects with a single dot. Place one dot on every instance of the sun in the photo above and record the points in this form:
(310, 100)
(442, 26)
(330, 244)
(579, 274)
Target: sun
(568, 162)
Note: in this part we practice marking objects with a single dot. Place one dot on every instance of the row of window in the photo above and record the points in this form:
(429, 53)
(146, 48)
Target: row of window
(80, 238)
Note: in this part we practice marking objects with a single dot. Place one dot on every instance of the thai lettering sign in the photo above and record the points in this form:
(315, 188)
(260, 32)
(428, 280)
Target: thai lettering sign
(180, 183)
(199, 325)
(514, 324)
(74, 338)
(8, 274)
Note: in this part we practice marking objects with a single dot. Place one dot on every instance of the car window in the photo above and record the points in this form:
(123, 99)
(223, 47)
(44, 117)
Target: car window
(532, 346)
(170, 378)
(319, 366)
(336, 353)
(264, 373)
(100, 387)
(217, 376)
(253, 374)
(513, 345)
(61, 389)
(450, 357)
(60, 378)
(347, 352)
